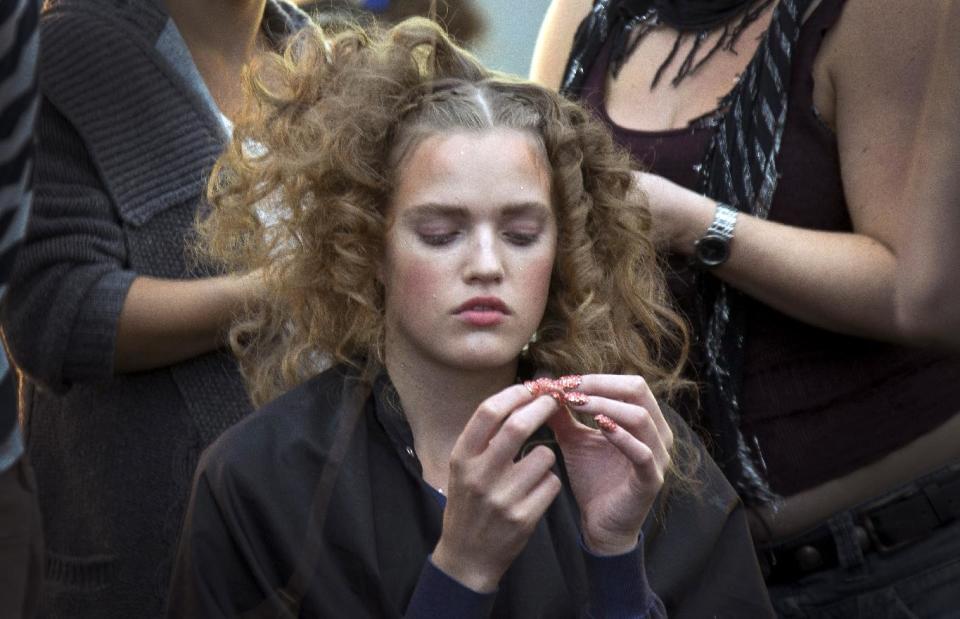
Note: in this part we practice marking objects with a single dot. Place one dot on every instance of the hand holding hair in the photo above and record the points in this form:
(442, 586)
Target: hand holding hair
(166, 321)
(679, 216)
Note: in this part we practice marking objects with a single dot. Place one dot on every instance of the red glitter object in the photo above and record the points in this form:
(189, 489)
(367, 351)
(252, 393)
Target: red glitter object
(555, 387)
(569, 382)
(605, 423)
(532, 387)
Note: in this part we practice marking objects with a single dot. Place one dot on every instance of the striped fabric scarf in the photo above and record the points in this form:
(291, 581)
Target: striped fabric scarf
(740, 169)
(19, 101)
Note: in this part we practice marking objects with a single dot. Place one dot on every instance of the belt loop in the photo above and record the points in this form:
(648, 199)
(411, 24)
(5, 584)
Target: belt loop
(849, 551)
(938, 502)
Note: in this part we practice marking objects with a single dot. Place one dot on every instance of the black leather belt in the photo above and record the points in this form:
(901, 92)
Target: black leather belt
(879, 528)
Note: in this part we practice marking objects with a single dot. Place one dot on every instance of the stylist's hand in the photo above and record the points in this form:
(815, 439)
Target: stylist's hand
(679, 216)
(616, 472)
(250, 286)
(494, 503)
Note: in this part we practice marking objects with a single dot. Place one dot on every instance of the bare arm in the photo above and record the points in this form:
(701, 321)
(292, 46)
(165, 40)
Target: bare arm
(556, 39)
(880, 61)
(166, 321)
(928, 298)
(837, 281)
(74, 311)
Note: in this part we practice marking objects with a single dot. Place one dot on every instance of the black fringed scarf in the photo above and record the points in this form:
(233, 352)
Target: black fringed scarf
(629, 21)
(739, 168)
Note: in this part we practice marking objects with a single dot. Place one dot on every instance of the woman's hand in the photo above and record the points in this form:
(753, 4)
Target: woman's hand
(250, 286)
(494, 503)
(616, 472)
(166, 321)
(679, 216)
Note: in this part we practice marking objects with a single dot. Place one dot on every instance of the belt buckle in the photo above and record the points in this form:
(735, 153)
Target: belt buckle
(876, 541)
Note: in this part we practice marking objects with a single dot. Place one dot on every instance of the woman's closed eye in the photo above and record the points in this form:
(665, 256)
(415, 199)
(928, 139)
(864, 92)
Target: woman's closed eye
(521, 237)
(514, 237)
(438, 239)
(524, 225)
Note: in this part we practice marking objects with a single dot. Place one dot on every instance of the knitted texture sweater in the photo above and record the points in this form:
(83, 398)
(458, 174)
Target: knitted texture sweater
(125, 146)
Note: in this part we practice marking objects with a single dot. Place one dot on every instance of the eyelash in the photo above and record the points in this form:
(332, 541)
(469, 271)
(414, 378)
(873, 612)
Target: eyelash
(438, 240)
(520, 239)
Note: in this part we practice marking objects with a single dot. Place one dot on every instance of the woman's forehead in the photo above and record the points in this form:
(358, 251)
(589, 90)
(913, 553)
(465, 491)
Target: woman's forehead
(500, 166)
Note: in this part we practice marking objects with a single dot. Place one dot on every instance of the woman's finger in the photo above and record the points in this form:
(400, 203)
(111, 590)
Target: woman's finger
(644, 461)
(534, 503)
(635, 420)
(522, 477)
(507, 440)
(630, 389)
(489, 416)
(564, 424)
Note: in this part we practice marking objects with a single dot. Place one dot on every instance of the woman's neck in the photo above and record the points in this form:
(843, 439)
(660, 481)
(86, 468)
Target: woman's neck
(222, 36)
(438, 401)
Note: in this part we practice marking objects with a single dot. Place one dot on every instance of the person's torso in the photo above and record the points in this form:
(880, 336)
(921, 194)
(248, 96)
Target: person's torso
(808, 396)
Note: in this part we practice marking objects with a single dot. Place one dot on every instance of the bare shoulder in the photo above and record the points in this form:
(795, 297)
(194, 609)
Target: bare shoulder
(555, 40)
(879, 40)
(882, 56)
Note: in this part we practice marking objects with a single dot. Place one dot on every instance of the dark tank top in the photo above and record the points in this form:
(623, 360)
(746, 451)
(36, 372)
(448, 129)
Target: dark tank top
(817, 404)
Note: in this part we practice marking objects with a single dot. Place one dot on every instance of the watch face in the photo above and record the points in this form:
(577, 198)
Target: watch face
(712, 250)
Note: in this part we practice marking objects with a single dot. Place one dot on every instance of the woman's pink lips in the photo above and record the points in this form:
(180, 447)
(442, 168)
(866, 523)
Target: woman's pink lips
(482, 318)
(483, 311)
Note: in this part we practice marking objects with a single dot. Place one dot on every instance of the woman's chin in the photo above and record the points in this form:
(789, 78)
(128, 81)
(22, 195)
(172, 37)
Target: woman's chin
(487, 357)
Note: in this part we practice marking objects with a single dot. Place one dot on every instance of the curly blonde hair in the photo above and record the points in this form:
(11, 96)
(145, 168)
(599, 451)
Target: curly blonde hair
(302, 191)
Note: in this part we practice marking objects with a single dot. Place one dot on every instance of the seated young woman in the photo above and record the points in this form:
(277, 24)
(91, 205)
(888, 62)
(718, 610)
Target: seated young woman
(443, 233)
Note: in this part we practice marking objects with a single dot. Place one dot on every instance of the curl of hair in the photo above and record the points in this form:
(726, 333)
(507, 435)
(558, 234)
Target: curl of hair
(460, 18)
(301, 194)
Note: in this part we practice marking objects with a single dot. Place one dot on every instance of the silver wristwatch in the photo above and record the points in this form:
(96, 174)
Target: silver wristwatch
(713, 248)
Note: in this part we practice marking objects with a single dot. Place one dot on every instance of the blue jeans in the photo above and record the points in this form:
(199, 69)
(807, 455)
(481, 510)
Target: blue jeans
(921, 579)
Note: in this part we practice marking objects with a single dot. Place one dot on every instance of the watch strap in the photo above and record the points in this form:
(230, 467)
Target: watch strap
(724, 221)
(713, 248)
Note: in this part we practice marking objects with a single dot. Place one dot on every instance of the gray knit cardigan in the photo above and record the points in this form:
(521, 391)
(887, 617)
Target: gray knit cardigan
(124, 149)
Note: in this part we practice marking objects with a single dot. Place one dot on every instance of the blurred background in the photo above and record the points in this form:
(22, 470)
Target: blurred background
(511, 31)
(500, 32)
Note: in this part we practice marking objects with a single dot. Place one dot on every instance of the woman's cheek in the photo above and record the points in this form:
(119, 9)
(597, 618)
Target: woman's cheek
(536, 280)
(416, 284)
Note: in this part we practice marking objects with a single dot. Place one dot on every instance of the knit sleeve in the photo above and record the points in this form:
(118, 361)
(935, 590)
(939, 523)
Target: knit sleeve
(618, 586)
(69, 284)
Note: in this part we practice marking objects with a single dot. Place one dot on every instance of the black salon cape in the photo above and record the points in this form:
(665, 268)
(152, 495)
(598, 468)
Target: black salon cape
(251, 515)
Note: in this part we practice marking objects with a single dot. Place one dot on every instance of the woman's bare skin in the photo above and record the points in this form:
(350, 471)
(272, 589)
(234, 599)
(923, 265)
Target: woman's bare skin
(872, 71)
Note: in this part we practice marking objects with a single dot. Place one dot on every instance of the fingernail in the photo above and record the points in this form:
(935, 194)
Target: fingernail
(546, 385)
(532, 387)
(605, 423)
(569, 382)
(575, 398)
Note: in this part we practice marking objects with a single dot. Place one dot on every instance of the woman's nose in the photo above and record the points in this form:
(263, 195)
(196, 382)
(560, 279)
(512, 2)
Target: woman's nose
(485, 262)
